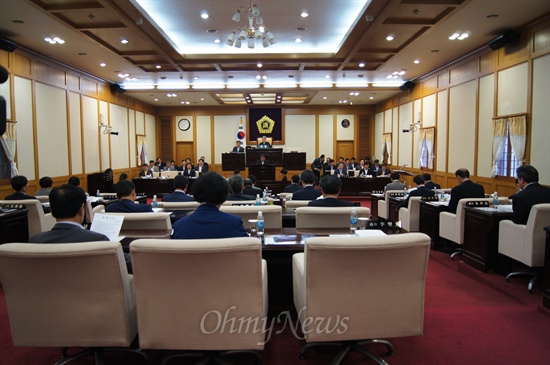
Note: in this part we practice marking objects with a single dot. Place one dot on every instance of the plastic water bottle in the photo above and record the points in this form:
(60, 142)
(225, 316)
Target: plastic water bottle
(97, 193)
(442, 198)
(258, 199)
(495, 200)
(155, 202)
(353, 221)
(260, 226)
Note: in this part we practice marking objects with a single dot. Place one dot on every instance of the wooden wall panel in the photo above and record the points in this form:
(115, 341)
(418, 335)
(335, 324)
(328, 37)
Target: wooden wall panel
(464, 72)
(443, 80)
(514, 53)
(429, 86)
(541, 40)
(22, 65)
(5, 59)
(89, 87)
(50, 75)
(487, 63)
(73, 82)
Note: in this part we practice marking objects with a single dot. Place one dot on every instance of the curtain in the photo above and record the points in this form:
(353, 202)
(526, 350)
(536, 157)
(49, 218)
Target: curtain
(421, 141)
(141, 151)
(518, 137)
(386, 148)
(430, 140)
(499, 139)
(9, 142)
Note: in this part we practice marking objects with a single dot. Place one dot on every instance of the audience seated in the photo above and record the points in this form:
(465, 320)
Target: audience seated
(20, 184)
(531, 193)
(126, 194)
(395, 183)
(330, 187)
(179, 194)
(428, 183)
(45, 186)
(250, 188)
(420, 190)
(294, 186)
(74, 180)
(465, 189)
(236, 184)
(308, 192)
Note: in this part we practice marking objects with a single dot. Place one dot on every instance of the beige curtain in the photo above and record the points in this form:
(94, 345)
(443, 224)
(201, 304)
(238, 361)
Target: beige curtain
(9, 143)
(141, 151)
(499, 138)
(386, 148)
(427, 135)
(518, 136)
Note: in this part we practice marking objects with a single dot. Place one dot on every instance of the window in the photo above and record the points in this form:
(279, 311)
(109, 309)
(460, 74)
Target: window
(507, 162)
(509, 139)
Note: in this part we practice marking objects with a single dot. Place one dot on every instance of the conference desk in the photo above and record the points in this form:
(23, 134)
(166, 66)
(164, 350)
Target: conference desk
(14, 225)
(429, 218)
(374, 198)
(363, 185)
(546, 273)
(157, 186)
(480, 248)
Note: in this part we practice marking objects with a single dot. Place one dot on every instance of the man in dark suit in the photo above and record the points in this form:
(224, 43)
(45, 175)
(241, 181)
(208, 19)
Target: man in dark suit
(420, 190)
(179, 194)
(263, 161)
(264, 143)
(384, 171)
(308, 192)
(465, 189)
(20, 184)
(531, 193)
(341, 171)
(211, 190)
(145, 171)
(68, 203)
(294, 186)
(330, 187)
(238, 148)
(250, 188)
(126, 194)
(317, 166)
(189, 171)
(236, 184)
(46, 183)
(201, 167)
(429, 184)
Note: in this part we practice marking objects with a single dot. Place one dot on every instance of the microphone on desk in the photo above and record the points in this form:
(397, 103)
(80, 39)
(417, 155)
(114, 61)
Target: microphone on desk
(401, 168)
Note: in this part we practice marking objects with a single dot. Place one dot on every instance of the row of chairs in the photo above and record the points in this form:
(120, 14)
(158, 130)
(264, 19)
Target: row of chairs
(209, 296)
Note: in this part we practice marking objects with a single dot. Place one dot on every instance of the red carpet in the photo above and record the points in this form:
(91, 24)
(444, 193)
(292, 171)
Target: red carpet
(470, 318)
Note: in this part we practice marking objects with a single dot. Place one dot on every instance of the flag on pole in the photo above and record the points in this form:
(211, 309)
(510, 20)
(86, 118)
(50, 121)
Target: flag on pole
(241, 136)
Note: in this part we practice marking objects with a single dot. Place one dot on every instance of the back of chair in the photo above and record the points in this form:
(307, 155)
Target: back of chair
(327, 217)
(535, 240)
(273, 214)
(145, 221)
(461, 212)
(38, 221)
(287, 196)
(178, 205)
(412, 221)
(43, 198)
(373, 284)
(384, 205)
(70, 294)
(296, 203)
(185, 289)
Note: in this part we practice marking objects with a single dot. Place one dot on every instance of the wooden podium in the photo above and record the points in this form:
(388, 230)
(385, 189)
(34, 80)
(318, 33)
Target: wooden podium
(233, 161)
(102, 181)
(262, 172)
(275, 155)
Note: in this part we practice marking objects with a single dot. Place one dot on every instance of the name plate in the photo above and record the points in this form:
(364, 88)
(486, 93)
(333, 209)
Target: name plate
(477, 204)
(430, 198)
(383, 224)
(397, 195)
(13, 206)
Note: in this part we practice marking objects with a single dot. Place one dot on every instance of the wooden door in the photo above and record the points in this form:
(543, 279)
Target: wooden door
(344, 149)
(183, 151)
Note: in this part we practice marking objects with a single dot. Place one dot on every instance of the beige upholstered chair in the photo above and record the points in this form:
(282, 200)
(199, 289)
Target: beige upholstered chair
(384, 205)
(243, 202)
(367, 287)
(297, 203)
(178, 205)
(69, 295)
(267, 139)
(327, 217)
(451, 225)
(43, 198)
(197, 280)
(410, 216)
(525, 243)
(273, 214)
(287, 196)
(145, 221)
(38, 221)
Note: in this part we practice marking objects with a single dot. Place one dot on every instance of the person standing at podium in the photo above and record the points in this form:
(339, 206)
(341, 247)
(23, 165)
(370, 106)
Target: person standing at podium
(263, 161)
(264, 143)
(238, 148)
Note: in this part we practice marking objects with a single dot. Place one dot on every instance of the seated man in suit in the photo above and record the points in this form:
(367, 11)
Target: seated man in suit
(395, 184)
(238, 148)
(330, 187)
(249, 188)
(74, 180)
(211, 190)
(341, 171)
(294, 185)
(420, 190)
(236, 184)
(429, 184)
(531, 193)
(68, 203)
(264, 143)
(308, 192)
(179, 194)
(145, 171)
(126, 194)
(263, 161)
(20, 184)
(172, 166)
(384, 171)
(330, 168)
(189, 171)
(375, 167)
(45, 186)
(465, 189)
(201, 166)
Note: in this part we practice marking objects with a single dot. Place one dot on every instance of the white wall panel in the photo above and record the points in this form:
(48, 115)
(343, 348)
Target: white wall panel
(512, 90)
(5, 91)
(75, 127)
(104, 138)
(416, 116)
(388, 121)
(428, 111)
(462, 115)
(24, 154)
(326, 136)
(378, 131)
(485, 127)
(298, 126)
(132, 138)
(345, 134)
(119, 144)
(405, 139)
(540, 123)
(140, 123)
(184, 136)
(151, 140)
(226, 128)
(51, 130)
(441, 131)
(396, 138)
(90, 122)
(204, 140)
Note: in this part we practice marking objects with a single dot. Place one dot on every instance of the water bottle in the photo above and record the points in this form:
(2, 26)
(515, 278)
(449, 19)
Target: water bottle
(97, 193)
(155, 202)
(442, 196)
(495, 200)
(257, 199)
(260, 226)
(353, 221)
(405, 193)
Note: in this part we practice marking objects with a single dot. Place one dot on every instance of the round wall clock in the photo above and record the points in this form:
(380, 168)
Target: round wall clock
(345, 123)
(184, 124)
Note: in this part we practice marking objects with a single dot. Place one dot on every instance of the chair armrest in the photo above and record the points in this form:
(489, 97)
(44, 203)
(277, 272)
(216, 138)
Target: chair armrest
(49, 221)
(299, 282)
(511, 239)
(264, 286)
(448, 227)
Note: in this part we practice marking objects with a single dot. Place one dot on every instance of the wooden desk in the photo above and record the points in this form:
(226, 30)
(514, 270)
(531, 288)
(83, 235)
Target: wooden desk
(429, 219)
(480, 248)
(374, 198)
(262, 172)
(394, 202)
(233, 161)
(275, 155)
(14, 226)
(546, 274)
(157, 186)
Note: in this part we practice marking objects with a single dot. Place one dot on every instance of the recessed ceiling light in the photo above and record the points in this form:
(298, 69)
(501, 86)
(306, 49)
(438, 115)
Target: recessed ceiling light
(327, 76)
(124, 41)
(389, 38)
(361, 64)
(371, 97)
(217, 40)
(202, 99)
(54, 40)
(434, 51)
(103, 64)
(204, 15)
(82, 54)
(304, 14)
(230, 76)
(195, 77)
(324, 98)
(492, 16)
(17, 21)
(417, 61)
(298, 40)
(156, 99)
(259, 65)
(158, 66)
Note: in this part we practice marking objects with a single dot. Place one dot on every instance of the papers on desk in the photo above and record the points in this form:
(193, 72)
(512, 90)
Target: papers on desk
(158, 210)
(109, 225)
(501, 209)
(369, 233)
(284, 239)
(94, 199)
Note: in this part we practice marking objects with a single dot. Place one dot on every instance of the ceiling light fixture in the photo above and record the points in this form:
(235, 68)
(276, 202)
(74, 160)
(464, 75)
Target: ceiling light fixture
(54, 40)
(304, 14)
(253, 30)
(124, 41)
(389, 38)
(361, 64)
(458, 36)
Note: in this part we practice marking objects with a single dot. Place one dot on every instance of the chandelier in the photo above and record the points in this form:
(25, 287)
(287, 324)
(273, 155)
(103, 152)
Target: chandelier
(253, 30)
